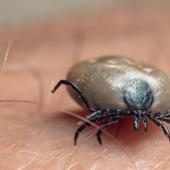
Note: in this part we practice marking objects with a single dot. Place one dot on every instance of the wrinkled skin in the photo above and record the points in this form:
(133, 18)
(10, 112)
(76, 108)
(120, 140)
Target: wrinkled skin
(39, 136)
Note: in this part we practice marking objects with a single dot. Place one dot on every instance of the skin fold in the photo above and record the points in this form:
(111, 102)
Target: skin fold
(36, 130)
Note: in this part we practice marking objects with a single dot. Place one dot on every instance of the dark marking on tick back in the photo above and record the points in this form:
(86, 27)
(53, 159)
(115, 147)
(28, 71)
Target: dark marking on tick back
(138, 94)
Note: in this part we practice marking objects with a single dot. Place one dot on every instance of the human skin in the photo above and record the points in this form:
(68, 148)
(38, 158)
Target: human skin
(36, 130)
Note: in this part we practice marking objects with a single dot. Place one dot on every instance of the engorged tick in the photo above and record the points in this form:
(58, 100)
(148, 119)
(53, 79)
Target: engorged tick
(114, 87)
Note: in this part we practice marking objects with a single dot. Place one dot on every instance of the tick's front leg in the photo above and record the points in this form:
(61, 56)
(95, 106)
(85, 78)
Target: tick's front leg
(96, 116)
(102, 127)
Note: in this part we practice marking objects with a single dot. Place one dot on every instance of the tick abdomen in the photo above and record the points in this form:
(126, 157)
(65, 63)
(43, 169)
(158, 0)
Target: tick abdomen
(103, 80)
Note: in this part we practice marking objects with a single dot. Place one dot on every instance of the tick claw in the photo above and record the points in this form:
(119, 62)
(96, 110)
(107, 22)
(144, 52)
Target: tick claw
(98, 135)
(99, 140)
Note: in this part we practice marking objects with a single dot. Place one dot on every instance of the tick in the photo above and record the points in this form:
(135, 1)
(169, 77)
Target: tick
(113, 88)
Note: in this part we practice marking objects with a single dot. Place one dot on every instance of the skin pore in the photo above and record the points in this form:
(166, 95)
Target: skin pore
(39, 135)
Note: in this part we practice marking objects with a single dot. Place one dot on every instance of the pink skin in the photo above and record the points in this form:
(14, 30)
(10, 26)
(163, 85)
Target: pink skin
(40, 135)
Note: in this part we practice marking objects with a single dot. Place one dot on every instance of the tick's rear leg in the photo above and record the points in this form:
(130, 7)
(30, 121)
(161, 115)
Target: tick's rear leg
(76, 88)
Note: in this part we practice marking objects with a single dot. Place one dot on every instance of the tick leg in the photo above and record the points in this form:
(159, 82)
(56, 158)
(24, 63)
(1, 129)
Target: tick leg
(167, 117)
(135, 123)
(96, 116)
(74, 87)
(163, 117)
(102, 127)
(164, 127)
(145, 123)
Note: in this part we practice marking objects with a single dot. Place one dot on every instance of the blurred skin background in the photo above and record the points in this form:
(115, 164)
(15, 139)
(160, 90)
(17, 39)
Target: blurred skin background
(24, 11)
(39, 41)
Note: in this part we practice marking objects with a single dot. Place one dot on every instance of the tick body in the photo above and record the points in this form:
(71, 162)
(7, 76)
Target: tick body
(114, 87)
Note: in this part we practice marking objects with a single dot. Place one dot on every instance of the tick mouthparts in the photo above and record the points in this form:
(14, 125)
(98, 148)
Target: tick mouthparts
(136, 124)
(141, 114)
